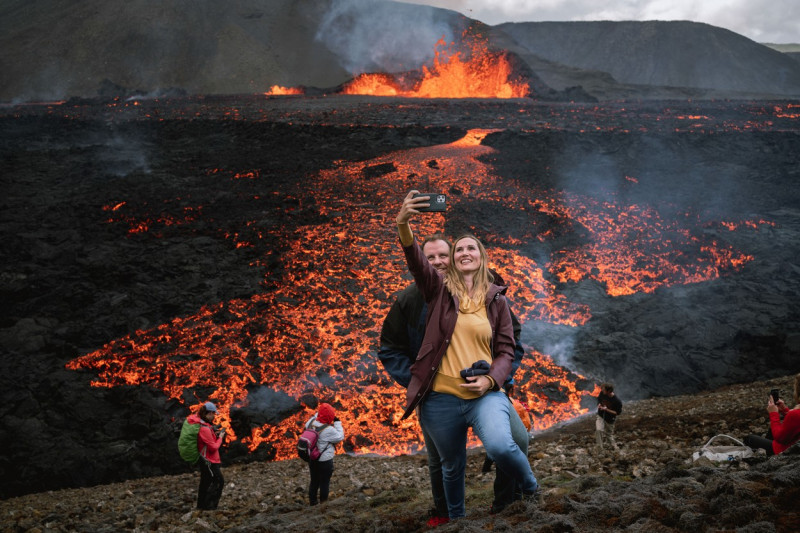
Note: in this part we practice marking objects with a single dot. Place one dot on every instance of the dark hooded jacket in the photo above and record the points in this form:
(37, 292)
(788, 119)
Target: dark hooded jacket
(440, 323)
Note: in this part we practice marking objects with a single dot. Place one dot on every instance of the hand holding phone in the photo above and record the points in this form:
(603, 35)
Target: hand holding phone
(437, 202)
(776, 394)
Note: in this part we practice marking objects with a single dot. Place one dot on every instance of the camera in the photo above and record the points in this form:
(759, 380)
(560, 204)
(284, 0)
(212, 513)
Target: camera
(437, 201)
(775, 393)
(478, 368)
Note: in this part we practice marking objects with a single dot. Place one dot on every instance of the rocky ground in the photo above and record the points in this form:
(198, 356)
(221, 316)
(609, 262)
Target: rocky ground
(650, 485)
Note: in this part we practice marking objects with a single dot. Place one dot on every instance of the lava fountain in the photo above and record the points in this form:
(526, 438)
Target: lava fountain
(478, 73)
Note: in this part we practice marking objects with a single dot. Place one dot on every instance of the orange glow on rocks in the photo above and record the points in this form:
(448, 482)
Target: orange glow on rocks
(313, 331)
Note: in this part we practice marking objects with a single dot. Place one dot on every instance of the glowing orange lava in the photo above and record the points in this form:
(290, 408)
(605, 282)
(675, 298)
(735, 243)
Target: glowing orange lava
(314, 329)
(279, 90)
(483, 74)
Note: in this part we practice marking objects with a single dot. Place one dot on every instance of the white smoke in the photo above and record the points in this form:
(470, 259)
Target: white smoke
(121, 155)
(383, 36)
(555, 340)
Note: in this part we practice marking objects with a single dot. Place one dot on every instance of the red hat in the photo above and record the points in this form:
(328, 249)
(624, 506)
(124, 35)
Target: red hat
(326, 413)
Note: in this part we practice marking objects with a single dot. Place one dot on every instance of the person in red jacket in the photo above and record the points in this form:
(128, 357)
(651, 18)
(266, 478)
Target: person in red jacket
(785, 432)
(208, 444)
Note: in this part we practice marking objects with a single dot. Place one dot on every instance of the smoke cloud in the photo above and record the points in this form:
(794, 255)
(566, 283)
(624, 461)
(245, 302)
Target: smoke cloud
(366, 35)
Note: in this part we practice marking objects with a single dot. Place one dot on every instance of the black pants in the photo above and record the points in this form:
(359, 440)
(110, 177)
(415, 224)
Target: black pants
(506, 490)
(756, 442)
(211, 483)
(321, 472)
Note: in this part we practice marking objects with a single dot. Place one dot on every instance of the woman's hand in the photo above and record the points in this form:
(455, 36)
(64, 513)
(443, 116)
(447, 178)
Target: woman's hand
(410, 206)
(477, 384)
(771, 407)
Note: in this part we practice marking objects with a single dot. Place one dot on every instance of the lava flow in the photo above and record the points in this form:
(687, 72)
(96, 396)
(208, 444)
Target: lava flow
(280, 90)
(454, 74)
(313, 332)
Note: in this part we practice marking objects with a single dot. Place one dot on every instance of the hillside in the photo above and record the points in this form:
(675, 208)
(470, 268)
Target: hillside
(63, 48)
(56, 49)
(661, 53)
(651, 485)
(792, 50)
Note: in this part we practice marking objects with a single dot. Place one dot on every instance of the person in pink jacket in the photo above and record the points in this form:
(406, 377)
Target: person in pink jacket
(208, 444)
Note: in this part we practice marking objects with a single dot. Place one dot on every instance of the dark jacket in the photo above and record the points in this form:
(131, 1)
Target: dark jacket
(613, 403)
(440, 323)
(401, 334)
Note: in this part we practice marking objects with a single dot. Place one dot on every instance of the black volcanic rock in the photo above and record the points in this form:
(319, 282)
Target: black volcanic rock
(72, 280)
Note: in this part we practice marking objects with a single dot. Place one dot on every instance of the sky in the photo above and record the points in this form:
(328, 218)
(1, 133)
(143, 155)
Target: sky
(764, 21)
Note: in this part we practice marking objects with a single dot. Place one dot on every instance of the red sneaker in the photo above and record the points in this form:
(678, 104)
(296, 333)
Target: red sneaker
(436, 521)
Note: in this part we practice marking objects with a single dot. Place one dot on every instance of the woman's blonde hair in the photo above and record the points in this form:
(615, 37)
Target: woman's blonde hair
(454, 279)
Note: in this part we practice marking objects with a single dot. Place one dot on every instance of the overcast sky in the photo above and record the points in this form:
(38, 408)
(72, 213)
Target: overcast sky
(772, 21)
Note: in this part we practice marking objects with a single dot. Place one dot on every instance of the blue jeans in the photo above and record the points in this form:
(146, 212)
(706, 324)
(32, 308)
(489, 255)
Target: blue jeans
(447, 419)
(506, 490)
(435, 472)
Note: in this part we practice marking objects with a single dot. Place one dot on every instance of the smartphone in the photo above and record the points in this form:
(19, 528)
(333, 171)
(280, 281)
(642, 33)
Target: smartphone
(775, 393)
(437, 201)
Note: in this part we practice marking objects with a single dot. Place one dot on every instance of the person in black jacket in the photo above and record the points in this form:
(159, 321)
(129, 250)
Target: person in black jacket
(609, 406)
(401, 337)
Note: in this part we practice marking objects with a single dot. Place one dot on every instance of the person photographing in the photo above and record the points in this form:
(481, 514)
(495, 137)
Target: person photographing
(208, 444)
(468, 320)
(785, 432)
(609, 406)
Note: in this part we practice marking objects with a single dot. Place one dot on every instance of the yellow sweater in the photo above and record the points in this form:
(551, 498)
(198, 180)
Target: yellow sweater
(471, 342)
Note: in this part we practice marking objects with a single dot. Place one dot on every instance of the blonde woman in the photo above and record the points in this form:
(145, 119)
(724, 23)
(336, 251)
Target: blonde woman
(468, 321)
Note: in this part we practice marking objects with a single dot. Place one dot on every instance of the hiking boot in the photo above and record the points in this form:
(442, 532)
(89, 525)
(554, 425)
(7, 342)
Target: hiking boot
(496, 508)
(533, 497)
(436, 521)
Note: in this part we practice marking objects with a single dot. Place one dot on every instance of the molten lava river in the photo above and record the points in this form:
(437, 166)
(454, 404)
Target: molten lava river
(313, 333)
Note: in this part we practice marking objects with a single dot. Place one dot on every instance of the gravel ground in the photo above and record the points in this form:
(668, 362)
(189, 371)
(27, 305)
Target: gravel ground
(650, 485)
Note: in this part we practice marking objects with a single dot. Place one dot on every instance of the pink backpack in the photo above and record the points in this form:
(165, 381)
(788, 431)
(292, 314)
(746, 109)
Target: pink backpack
(307, 443)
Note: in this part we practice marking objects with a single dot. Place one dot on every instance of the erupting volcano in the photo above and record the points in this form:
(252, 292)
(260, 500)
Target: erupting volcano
(467, 69)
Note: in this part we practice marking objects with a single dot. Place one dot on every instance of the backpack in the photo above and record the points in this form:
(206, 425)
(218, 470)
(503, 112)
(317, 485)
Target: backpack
(307, 443)
(718, 454)
(187, 442)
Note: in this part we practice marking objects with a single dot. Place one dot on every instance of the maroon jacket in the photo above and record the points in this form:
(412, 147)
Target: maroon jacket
(441, 321)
